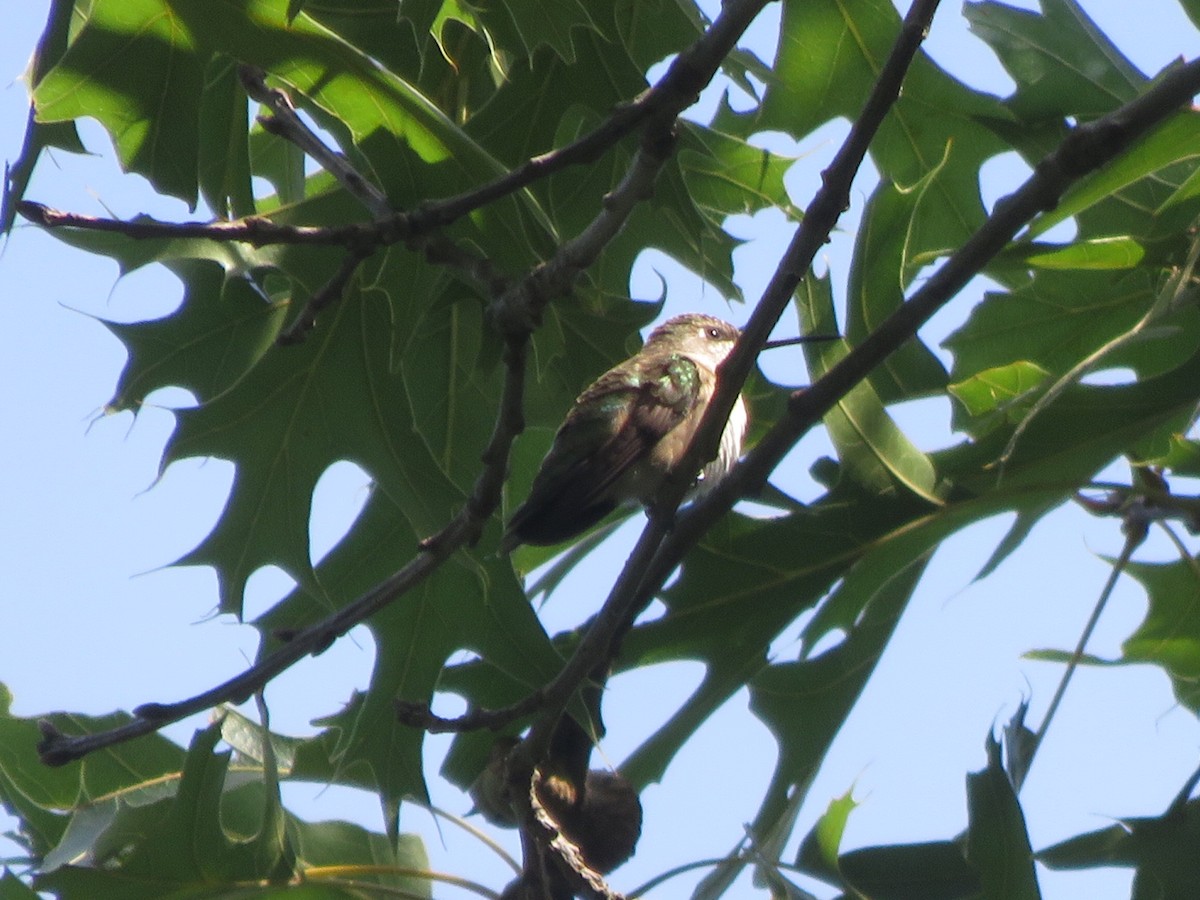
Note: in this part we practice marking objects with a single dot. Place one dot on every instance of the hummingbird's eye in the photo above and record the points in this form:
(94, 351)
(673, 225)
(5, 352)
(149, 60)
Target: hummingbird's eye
(714, 333)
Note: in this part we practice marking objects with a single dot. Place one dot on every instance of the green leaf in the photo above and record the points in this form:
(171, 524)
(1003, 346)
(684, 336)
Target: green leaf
(1160, 849)
(726, 176)
(187, 846)
(13, 888)
(998, 396)
(1181, 458)
(936, 870)
(149, 109)
(223, 329)
(223, 158)
(827, 687)
(191, 846)
(537, 24)
(1118, 252)
(280, 162)
(135, 774)
(250, 740)
(818, 851)
(344, 844)
(881, 269)
(1062, 63)
(1058, 318)
(1169, 636)
(1108, 846)
(829, 56)
(872, 449)
(997, 842)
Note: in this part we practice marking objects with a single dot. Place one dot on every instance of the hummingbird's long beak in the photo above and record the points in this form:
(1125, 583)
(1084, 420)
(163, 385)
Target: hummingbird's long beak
(803, 339)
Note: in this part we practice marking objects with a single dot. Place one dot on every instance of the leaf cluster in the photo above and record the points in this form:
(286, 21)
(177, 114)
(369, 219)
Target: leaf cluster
(403, 375)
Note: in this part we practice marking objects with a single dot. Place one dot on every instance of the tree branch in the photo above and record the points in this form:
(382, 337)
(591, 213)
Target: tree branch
(284, 122)
(258, 231)
(329, 294)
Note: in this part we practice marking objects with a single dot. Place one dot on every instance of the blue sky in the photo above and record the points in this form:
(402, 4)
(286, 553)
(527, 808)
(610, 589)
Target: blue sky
(95, 619)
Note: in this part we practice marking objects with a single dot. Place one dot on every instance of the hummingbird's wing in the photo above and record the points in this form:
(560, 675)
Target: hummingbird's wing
(614, 425)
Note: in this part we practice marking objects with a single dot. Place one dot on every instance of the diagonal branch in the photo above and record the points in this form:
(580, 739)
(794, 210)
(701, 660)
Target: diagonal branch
(257, 231)
(285, 122)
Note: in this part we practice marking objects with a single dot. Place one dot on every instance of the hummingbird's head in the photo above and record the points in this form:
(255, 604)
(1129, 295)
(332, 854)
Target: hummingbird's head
(704, 338)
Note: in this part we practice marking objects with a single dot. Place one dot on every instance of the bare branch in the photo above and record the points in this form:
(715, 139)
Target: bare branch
(325, 297)
(1136, 528)
(258, 231)
(286, 123)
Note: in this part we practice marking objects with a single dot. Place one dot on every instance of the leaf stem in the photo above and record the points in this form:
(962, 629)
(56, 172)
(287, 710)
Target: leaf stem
(1136, 528)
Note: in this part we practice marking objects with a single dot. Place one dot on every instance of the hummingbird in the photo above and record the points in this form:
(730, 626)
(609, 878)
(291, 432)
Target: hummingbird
(628, 429)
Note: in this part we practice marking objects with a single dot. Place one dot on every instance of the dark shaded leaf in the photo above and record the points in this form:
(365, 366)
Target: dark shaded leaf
(1062, 63)
(937, 870)
(1161, 850)
(997, 842)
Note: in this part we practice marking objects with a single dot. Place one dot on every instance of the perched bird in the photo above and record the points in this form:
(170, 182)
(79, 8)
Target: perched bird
(628, 429)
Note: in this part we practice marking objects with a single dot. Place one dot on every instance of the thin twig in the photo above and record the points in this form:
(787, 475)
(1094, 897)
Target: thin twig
(1136, 528)
(258, 231)
(286, 123)
(520, 308)
(329, 294)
